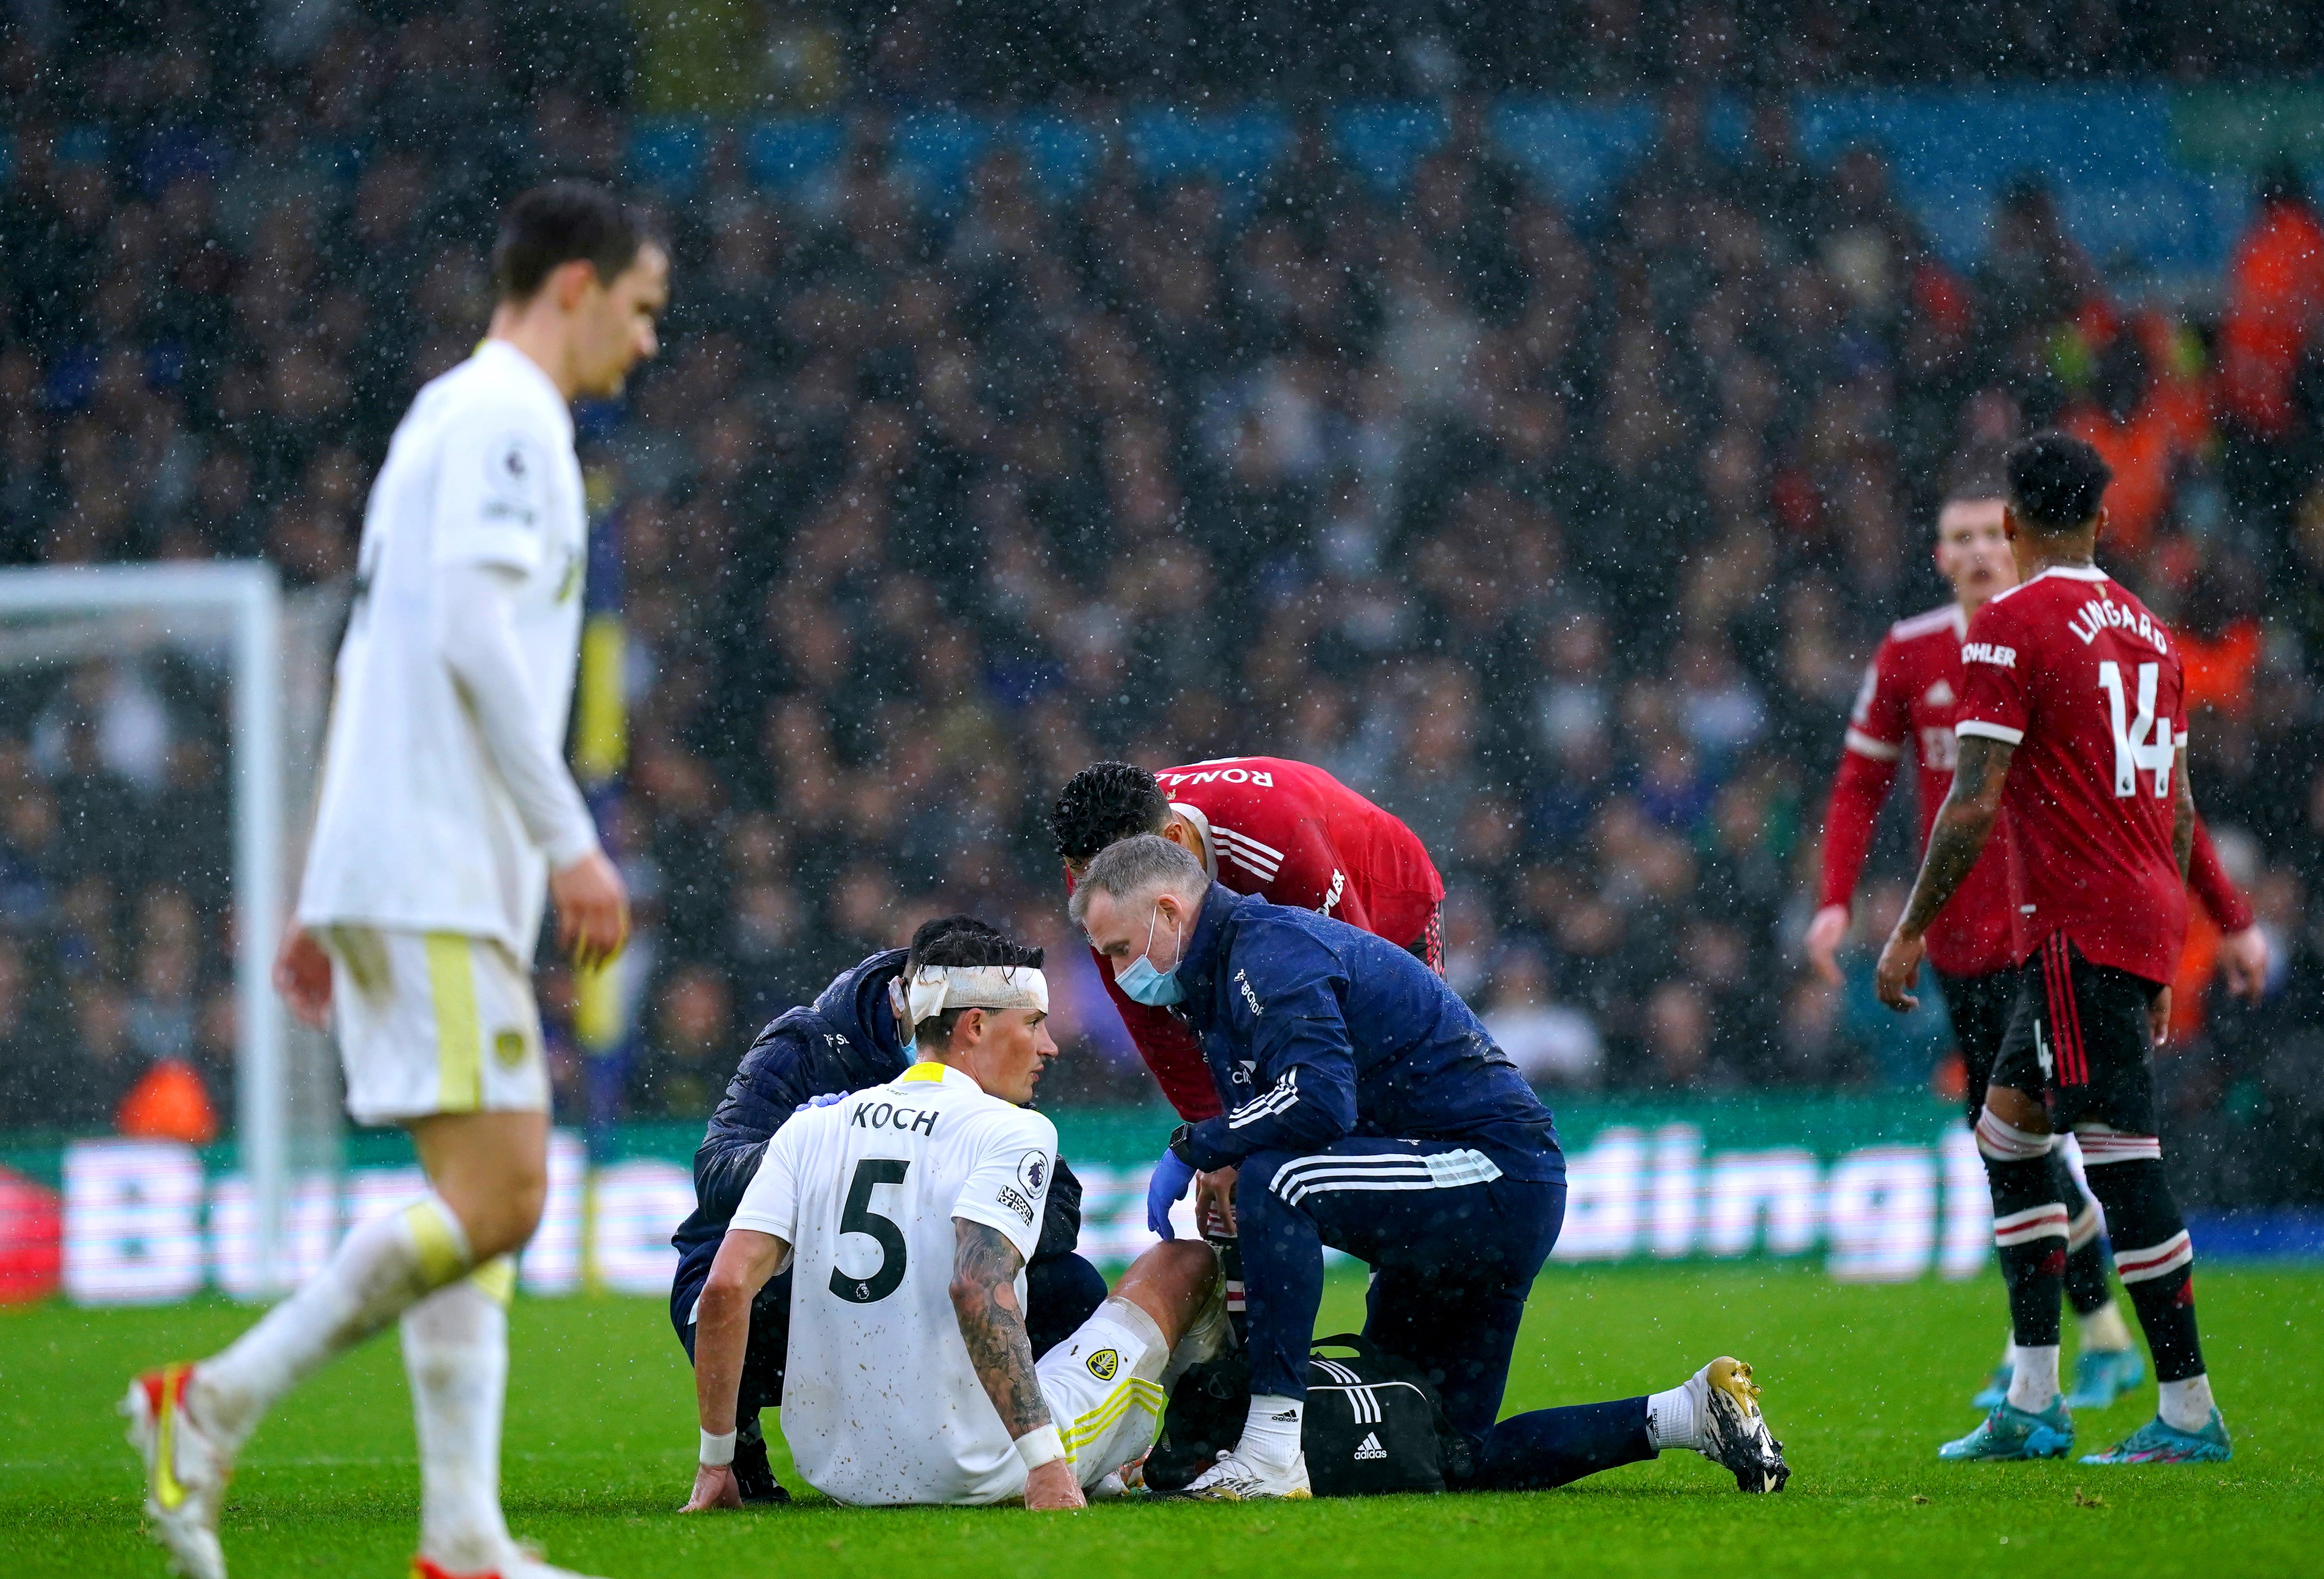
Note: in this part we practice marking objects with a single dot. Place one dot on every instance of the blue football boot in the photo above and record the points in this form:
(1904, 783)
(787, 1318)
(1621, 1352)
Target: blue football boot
(2103, 1375)
(2010, 1433)
(2157, 1443)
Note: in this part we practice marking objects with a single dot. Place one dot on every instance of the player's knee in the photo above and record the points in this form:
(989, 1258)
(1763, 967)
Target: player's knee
(2018, 1109)
(528, 1194)
(2002, 1138)
(500, 1217)
(525, 1208)
(1186, 1263)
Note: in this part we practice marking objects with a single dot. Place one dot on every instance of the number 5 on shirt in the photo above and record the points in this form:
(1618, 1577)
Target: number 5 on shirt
(858, 1217)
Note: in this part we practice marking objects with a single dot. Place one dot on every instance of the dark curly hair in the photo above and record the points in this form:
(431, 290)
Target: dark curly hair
(2057, 482)
(1105, 802)
(960, 940)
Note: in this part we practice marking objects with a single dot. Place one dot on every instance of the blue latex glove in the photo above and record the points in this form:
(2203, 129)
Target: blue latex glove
(1165, 1188)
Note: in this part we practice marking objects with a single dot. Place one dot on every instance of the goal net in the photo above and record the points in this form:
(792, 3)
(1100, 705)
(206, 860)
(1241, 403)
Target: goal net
(160, 732)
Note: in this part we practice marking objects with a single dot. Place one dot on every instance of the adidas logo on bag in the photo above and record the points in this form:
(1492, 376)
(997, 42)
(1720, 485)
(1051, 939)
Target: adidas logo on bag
(1370, 1447)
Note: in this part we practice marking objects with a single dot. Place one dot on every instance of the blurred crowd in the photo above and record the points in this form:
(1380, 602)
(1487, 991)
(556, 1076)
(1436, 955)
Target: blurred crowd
(1566, 541)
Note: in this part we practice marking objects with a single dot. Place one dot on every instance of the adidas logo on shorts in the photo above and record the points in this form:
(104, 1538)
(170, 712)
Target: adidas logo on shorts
(1369, 1447)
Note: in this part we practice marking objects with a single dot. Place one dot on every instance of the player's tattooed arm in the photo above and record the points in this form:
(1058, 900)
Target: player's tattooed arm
(2183, 819)
(984, 1297)
(1964, 822)
(1963, 825)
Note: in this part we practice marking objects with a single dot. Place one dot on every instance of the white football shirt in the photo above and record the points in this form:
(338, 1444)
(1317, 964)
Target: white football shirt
(880, 1403)
(414, 828)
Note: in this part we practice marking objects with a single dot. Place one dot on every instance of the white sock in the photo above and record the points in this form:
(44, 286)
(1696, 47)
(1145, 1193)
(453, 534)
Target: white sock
(379, 1271)
(2186, 1405)
(455, 1353)
(1675, 1418)
(2033, 1377)
(1270, 1435)
(2103, 1329)
(2008, 1345)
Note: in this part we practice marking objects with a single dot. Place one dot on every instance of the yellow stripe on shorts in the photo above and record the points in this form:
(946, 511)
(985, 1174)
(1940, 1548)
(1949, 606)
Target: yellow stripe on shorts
(1086, 1430)
(459, 1037)
(1130, 1391)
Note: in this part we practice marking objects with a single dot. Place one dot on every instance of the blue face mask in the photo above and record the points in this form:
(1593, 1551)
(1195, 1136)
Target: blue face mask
(1142, 983)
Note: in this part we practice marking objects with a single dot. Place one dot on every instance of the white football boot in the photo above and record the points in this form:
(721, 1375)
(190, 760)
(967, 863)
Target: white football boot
(187, 1469)
(1236, 1479)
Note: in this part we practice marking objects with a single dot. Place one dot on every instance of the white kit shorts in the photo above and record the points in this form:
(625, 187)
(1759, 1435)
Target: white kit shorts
(433, 1023)
(1104, 1387)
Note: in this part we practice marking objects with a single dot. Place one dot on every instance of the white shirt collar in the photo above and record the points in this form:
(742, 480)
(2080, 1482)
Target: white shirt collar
(508, 355)
(1202, 826)
(2076, 573)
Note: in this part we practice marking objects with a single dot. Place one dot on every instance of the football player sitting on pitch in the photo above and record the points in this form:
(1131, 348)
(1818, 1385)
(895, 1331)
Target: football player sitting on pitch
(855, 1034)
(905, 1214)
(1369, 1110)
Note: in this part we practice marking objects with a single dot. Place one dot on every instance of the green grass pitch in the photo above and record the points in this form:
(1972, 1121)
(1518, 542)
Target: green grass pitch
(1861, 1384)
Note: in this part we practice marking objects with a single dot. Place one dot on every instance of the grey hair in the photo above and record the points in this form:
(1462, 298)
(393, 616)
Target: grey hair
(1133, 867)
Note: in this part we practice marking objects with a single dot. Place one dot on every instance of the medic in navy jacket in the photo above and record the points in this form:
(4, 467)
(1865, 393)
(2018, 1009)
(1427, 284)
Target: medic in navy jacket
(1369, 1110)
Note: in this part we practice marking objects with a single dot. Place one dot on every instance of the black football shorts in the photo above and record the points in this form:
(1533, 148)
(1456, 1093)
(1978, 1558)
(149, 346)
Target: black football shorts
(1980, 1007)
(2078, 1037)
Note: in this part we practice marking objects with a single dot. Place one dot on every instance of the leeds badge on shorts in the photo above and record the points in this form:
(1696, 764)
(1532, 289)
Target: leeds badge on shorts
(507, 1048)
(1104, 1363)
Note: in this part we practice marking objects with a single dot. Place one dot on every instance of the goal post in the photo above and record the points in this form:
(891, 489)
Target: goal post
(233, 615)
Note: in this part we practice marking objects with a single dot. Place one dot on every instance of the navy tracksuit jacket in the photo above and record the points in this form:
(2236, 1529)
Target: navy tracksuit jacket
(1367, 1109)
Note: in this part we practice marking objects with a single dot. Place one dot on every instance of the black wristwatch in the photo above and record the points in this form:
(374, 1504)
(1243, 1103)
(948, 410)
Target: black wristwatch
(1181, 1140)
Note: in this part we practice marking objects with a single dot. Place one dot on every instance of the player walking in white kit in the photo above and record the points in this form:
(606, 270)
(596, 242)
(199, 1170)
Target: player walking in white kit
(908, 1211)
(446, 809)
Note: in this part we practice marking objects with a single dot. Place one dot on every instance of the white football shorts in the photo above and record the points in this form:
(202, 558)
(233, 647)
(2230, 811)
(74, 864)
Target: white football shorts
(1103, 1386)
(433, 1023)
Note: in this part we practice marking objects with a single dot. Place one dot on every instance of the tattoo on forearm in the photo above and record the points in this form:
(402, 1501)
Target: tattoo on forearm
(984, 1296)
(1963, 825)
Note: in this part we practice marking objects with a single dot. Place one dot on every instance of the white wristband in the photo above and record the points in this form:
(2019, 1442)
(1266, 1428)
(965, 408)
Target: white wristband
(717, 1449)
(1039, 1447)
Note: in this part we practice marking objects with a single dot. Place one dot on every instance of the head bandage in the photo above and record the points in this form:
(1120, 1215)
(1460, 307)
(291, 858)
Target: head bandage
(934, 988)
